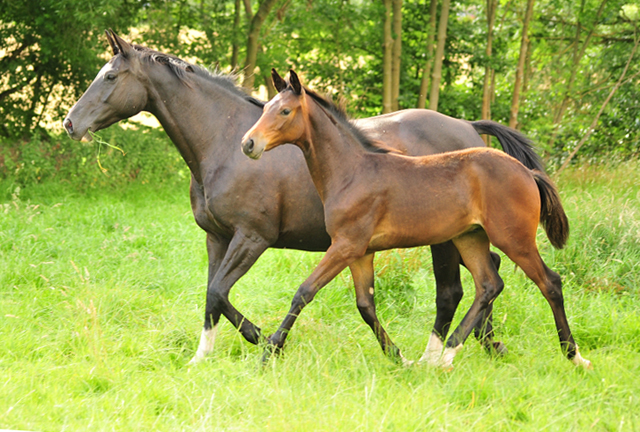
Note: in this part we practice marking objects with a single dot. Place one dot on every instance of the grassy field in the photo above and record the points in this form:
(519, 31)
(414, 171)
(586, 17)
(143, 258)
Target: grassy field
(101, 306)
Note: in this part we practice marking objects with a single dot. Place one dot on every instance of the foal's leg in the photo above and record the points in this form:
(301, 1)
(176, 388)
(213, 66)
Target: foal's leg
(241, 254)
(474, 250)
(550, 284)
(337, 258)
(363, 278)
(446, 260)
(483, 330)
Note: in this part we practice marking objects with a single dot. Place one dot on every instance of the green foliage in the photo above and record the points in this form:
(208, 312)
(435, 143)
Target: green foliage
(49, 53)
(149, 157)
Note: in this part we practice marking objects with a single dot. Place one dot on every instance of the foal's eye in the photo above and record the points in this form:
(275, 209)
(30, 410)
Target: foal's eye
(111, 77)
(285, 111)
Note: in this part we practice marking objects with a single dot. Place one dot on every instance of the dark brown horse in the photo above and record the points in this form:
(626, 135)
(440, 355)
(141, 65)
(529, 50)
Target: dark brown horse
(205, 115)
(376, 200)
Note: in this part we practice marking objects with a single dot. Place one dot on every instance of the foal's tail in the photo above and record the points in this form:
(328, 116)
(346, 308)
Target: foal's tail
(552, 215)
(513, 142)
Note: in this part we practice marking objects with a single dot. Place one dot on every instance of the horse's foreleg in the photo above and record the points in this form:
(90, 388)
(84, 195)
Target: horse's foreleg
(474, 250)
(216, 250)
(363, 279)
(337, 258)
(241, 253)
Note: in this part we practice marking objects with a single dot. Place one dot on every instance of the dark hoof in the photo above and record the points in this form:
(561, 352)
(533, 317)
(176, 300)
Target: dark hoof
(497, 348)
(270, 349)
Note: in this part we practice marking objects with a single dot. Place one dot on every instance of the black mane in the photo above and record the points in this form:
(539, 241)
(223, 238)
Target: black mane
(340, 116)
(181, 68)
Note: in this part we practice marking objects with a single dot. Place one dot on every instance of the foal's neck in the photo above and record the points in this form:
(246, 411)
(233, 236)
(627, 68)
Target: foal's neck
(331, 151)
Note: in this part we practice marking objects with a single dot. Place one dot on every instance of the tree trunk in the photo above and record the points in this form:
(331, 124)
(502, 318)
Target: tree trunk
(517, 85)
(387, 44)
(436, 76)
(488, 70)
(252, 43)
(397, 51)
(426, 73)
(577, 57)
(236, 33)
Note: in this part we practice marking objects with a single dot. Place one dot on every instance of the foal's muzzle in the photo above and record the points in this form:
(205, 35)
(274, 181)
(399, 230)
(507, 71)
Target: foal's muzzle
(249, 149)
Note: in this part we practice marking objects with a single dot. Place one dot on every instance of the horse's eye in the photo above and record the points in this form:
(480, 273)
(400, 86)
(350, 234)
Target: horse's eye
(111, 77)
(285, 111)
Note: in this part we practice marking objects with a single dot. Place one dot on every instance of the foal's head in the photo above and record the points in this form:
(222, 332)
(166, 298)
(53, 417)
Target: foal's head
(284, 119)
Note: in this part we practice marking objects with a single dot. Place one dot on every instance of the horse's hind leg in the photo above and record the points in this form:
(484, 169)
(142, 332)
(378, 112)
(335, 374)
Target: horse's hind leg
(550, 284)
(363, 279)
(474, 250)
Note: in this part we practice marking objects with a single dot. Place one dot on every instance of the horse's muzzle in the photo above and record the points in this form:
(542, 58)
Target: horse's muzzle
(68, 126)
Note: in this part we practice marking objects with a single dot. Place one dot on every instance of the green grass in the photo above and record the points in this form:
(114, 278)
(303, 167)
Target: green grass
(101, 306)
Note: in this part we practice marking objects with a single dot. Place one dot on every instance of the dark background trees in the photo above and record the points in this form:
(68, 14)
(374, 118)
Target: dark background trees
(562, 58)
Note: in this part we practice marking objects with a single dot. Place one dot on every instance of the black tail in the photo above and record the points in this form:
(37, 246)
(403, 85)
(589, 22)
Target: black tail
(513, 143)
(552, 216)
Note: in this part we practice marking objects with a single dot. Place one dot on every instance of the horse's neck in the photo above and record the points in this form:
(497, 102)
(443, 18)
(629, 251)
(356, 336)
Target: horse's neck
(200, 118)
(332, 152)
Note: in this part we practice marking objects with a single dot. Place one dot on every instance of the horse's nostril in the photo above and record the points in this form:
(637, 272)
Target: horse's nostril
(68, 125)
(248, 145)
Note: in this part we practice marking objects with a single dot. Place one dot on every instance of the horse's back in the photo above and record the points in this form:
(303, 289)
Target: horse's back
(420, 132)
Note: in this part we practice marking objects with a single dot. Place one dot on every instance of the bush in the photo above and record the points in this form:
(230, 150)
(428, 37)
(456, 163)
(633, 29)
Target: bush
(149, 157)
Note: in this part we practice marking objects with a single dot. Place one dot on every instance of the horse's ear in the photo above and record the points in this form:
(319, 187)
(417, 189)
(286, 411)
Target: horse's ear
(278, 82)
(123, 46)
(112, 43)
(295, 82)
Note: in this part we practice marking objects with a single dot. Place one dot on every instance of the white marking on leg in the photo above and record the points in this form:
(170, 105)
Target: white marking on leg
(578, 360)
(371, 290)
(446, 361)
(205, 347)
(433, 351)
(405, 362)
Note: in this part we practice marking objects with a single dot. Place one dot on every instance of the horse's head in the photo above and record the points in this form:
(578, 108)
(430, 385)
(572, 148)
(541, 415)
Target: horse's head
(116, 93)
(283, 118)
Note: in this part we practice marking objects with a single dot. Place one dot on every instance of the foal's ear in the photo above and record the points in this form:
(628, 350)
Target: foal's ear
(123, 46)
(112, 43)
(278, 82)
(295, 82)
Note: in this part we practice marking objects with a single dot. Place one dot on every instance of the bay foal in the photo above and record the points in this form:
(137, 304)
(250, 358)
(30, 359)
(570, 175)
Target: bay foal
(376, 200)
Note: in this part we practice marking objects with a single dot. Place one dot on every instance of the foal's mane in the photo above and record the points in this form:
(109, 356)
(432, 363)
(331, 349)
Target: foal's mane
(339, 115)
(181, 68)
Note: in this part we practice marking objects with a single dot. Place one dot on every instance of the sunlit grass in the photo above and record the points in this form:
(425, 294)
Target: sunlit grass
(101, 305)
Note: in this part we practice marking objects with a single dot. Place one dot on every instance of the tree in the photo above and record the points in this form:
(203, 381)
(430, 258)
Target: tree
(517, 85)
(487, 87)
(426, 72)
(252, 43)
(436, 75)
(50, 48)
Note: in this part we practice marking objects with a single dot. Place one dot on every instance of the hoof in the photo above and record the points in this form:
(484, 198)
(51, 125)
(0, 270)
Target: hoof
(270, 349)
(578, 360)
(497, 348)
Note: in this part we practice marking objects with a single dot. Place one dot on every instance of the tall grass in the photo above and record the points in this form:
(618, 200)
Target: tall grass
(101, 305)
